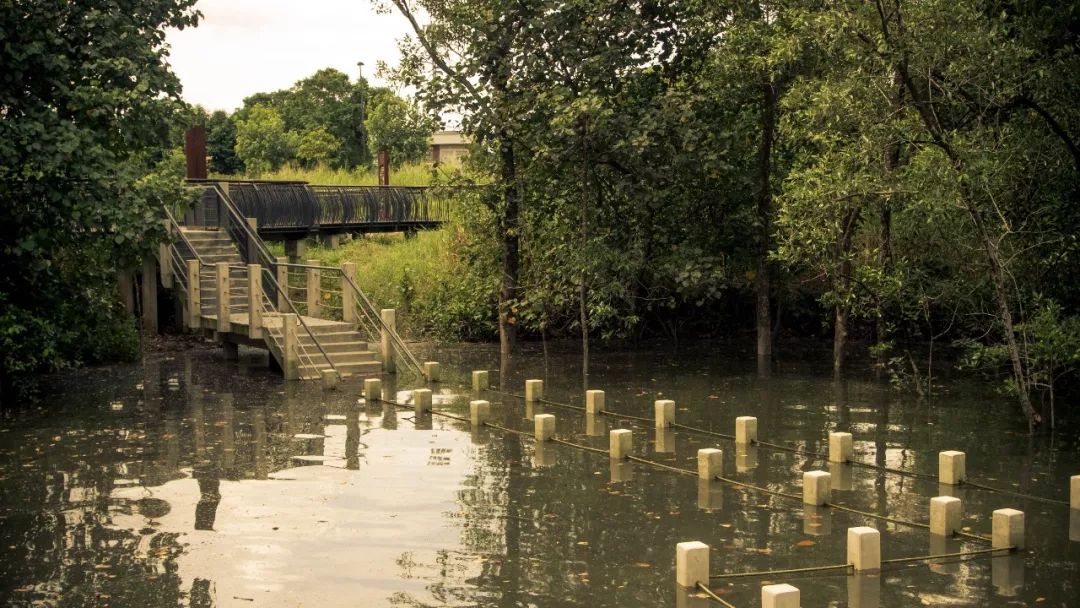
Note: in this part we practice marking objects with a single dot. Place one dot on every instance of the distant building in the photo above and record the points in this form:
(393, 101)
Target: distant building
(448, 146)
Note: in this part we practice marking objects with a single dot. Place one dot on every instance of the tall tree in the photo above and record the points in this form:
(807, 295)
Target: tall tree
(87, 101)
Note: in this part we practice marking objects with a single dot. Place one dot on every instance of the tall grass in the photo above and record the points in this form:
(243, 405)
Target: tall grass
(416, 174)
(423, 277)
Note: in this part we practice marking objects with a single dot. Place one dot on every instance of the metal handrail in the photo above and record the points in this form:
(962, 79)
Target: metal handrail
(245, 229)
(183, 237)
(371, 312)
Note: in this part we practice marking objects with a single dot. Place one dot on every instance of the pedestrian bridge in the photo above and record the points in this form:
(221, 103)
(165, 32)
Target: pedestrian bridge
(294, 210)
(314, 320)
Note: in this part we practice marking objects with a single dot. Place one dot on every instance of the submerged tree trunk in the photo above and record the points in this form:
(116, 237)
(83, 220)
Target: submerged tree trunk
(763, 317)
(509, 240)
(841, 286)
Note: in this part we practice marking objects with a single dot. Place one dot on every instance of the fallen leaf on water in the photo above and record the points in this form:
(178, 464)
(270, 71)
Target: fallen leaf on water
(713, 397)
(805, 543)
(764, 550)
(642, 565)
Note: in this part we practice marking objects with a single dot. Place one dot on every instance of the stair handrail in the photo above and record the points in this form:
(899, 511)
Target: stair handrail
(271, 264)
(183, 237)
(369, 310)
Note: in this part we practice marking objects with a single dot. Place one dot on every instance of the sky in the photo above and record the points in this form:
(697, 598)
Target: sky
(247, 46)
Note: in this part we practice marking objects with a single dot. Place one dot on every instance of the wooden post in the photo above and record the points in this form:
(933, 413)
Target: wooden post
(348, 296)
(283, 283)
(165, 258)
(194, 311)
(291, 368)
(254, 301)
(314, 289)
(125, 283)
(252, 223)
(223, 325)
(149, 294)
(389, 322)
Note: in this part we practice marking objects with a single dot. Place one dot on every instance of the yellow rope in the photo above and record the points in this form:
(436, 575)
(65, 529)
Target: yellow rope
(709, 592)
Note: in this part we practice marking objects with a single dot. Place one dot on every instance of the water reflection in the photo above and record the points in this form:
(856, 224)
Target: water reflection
(213, 485)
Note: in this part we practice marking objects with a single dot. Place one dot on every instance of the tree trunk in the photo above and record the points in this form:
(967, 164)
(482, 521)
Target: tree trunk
(892, 162)
(509, 236)
(841, 286)
(764, 216)
(997, 273)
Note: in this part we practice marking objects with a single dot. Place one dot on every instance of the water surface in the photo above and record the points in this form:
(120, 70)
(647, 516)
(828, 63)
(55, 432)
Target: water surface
(187, 480)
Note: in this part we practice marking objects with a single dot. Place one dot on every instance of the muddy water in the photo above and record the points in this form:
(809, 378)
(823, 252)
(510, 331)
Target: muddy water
(190, 481)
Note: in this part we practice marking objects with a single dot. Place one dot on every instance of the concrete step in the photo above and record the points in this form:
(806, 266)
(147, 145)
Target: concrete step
(335, 337)
(335, 347)
(367, 367)
(350, 356)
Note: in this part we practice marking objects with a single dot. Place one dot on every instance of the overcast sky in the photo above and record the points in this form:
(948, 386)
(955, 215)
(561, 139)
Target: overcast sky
(247, 46)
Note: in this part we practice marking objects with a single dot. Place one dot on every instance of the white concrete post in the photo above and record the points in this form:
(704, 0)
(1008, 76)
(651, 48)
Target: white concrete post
(314, 289)
(594, 402)
(665, 413)
(479, 412)
(421, 400)
(780, 596)
(691, 563)
(952, 467)
(620, 442)
(534, 390)
(710, 463)
(255, 317)
(389, 324)
(372, 390)
(223, 316)
(1008, 529)
(817, 488)
(840, 447)
(194, 311)
(480, 380)
(329, 379)
(944, 515)
(291, 368)
(282, 277)
(1074, 492)
(431, 371)
(745, 429)
(544, 427)
(864, 548)
(348, 296)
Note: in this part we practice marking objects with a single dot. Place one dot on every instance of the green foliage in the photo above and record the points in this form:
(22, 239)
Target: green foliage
(398, 127)
(262, 143)
(429, 278)
(88, 106)
(221, 144)
(316, 146)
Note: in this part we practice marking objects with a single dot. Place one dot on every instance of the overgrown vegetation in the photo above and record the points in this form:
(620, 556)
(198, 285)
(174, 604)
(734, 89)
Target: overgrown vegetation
(87, 107)
(901, 173)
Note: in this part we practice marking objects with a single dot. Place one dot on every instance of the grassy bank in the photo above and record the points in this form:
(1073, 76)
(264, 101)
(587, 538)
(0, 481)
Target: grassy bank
(424, 277)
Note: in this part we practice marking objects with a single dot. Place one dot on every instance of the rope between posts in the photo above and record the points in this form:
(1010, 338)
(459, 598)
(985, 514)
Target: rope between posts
(785, 571)
(923, 558)
(709, 592)
(979, 486)
(689, 472)
(895, 560)
(799, 451)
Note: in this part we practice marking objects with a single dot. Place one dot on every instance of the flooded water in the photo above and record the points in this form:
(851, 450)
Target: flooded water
(188, 480)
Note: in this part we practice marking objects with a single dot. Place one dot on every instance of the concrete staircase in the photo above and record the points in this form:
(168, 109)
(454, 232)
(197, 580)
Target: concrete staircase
(346, 348)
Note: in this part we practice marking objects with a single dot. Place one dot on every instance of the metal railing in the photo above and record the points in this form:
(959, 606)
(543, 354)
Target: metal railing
(332, 304)
(220, 210)
(291, 207)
